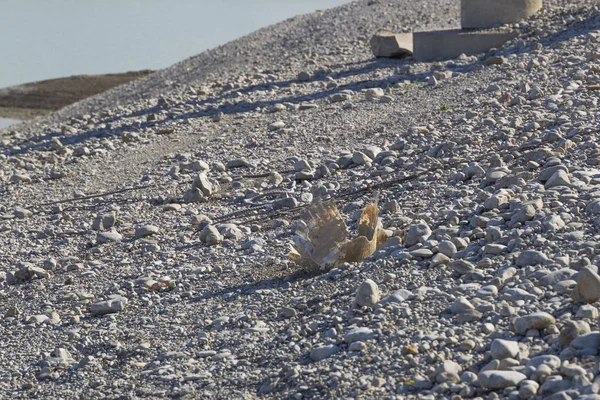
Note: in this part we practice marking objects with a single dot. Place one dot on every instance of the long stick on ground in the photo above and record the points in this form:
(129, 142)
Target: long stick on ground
(93, 196)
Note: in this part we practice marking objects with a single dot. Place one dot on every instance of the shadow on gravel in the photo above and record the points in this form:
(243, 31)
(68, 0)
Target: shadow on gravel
(577, 28)
(261, 284)
(207, 108)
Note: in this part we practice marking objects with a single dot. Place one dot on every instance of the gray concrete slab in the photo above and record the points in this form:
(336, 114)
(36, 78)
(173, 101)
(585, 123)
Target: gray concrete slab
(392, 45)
(489, 13)
(449, 44)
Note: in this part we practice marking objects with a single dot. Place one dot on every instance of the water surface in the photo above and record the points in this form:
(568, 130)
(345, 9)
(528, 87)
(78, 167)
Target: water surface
(41, 39)
(4, 122)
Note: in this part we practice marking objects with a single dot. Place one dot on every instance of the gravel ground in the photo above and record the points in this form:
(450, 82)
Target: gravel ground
(144, 233)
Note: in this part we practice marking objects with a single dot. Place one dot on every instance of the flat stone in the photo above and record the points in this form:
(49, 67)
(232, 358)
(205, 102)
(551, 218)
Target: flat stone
(374, 94)
(538, 320)
(109, 236)
(146, 230)
(323, 352)
(22, 213)
(448, 44)
(553, 223)
(421, 253)
(552, 361)
(107, 307)
(398, 296)
(555, 277)
(461, 266)
(359, 334)
(587, 341)
(531, 257)
(500, 379)
(276, 125)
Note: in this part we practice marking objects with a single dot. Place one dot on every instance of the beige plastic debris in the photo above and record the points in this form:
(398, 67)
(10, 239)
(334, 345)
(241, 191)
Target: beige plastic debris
(324, 242)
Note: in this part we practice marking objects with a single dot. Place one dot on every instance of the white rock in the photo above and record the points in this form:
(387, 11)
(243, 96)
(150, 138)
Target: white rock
(587, 311)
(553, 223)
(201, 182)
(531, 257)
(587, 341)
(359, 334)
(560, 178)
(276, 125)
(461, 266)
(60, 358)
(322, 352)
(461, 305)
(373, 94)
(367, 294)
(588, 286)
(528, 389)
(549, 360)
(572, 329)
(538, 320)
(447, 248)
(107, 307)
(417, 234)
(360, 158)
(398, 296)
(209, 230)
(109, 236)
(146, 230)
(448, 366)
(502, 349)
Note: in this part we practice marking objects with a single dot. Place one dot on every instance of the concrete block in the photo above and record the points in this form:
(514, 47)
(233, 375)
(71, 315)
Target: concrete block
(448, 44)
(392, 45)
(488, 13)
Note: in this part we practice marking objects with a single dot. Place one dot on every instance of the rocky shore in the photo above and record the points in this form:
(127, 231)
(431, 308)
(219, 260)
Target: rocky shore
(36, 99)
(145, 231)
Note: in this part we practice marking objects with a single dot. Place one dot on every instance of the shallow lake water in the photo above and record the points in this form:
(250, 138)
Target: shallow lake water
(4, 122)
(43, 39)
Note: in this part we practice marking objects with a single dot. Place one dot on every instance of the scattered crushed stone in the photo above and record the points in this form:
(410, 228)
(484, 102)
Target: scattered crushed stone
(145, 232)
